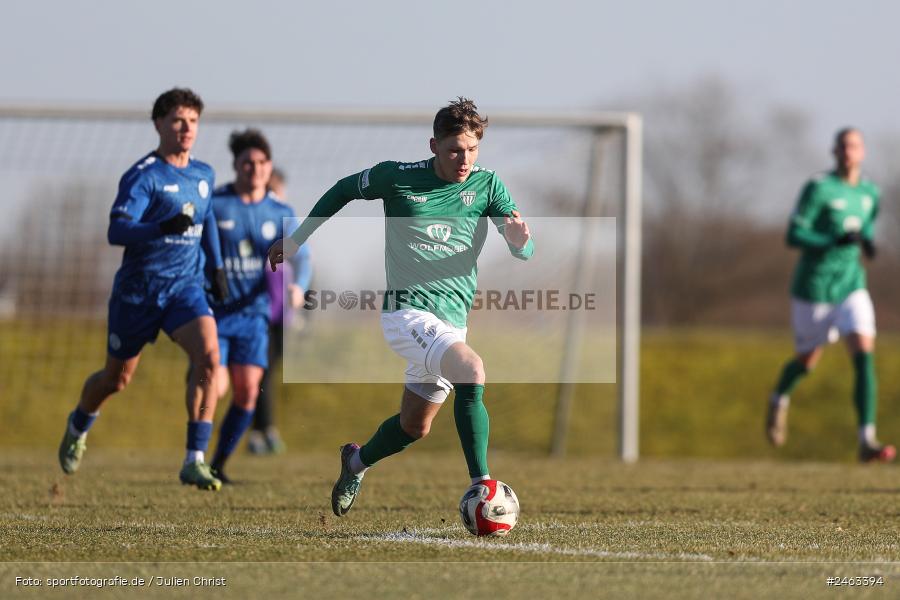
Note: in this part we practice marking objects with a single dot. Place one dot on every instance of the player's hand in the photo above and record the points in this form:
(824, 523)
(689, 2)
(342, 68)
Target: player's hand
(515, 230)
(219, 286)
(281, 250)
(852, 237)
(295, 296)
(868, 248)
(176, 225)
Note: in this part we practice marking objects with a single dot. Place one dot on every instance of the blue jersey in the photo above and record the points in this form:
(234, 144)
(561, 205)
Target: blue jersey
(156, 267)
(246, 231)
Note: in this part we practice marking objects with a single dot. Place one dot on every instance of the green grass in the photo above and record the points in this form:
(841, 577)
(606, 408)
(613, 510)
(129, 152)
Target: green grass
(710, 511)
(657, 529)
(703, 395)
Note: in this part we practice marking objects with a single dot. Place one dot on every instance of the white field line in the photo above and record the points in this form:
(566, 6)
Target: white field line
(417, 536)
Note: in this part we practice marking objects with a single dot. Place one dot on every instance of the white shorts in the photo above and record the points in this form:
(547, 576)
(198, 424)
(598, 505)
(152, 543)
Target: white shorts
(819, 323)
(422, 339)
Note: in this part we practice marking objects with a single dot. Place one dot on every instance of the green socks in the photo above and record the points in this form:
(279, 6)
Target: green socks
(792, 373)
(389, 439)
(865, 393)
(473, 427)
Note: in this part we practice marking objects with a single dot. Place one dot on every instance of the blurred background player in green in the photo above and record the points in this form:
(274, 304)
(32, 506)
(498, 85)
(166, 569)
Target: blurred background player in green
(263, 437)
(832, 225)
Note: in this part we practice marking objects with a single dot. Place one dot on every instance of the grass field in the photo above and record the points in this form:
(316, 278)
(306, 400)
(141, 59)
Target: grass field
(710, 511)
(658, 529)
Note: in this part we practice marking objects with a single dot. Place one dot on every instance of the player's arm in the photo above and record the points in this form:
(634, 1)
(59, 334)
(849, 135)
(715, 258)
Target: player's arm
(125, 225)
(209, 241)
(366, 184)
(868, 229)
(302, 265)
(800, 233)
(303, 274)
(212, 249)
(506, 218)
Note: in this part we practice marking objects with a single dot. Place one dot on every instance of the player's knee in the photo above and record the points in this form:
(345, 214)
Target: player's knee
(415, 428)
(245, 397)
(205, 365)
(209, 359)
(116, 381)
(472, 370)
(120, 381)
(808, 362)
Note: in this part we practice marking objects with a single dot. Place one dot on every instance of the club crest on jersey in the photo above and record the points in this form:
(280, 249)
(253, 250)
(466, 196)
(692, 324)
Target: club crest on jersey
(467, 197)
(203, 188)
(188, 209)
(867, 203)
(852, 223)
(268, 230)
(439, 231)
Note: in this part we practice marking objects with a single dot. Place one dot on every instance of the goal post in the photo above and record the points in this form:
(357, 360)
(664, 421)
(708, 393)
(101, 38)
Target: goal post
(574, 164)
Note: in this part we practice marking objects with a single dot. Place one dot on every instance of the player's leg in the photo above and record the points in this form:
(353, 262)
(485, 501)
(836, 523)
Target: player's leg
(416, 336)
(418, 407)
(245, 382)
(98, 387)
(812, 324)
(246, 338)
(857, 324)
(198, 339)
(190, 325)
(412, 423)
(129, 327)
(264, 437)
(462, 366)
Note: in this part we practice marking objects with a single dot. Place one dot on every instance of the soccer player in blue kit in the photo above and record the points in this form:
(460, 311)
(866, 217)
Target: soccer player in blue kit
(249, 220)
(162, 215)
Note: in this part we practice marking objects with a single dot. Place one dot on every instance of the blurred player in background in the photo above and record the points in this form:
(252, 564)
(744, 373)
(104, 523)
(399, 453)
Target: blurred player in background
(249, 219)
(162, 215)
(832, 225)
(263, 437)
(434, 231)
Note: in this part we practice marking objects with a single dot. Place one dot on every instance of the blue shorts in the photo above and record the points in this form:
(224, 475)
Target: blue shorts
(243, 340)
(131, 326)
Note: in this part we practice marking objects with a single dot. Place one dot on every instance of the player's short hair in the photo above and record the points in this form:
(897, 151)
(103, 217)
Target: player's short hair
(249, 138)
(460, 116)
(174, 98)
(842, 133)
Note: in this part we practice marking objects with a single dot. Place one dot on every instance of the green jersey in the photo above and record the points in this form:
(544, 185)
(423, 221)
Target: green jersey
(434, 231)
(829, 208)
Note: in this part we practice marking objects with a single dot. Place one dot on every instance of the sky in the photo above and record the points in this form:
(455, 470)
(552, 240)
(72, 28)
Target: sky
(833, 59)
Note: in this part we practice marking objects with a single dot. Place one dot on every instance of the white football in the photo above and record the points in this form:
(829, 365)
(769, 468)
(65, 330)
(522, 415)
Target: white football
(489, 508)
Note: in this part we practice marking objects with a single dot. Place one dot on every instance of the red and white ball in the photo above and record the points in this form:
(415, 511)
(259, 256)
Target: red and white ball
(489, 507)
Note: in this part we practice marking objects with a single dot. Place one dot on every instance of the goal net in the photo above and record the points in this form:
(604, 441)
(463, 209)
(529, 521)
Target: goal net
(575, 177)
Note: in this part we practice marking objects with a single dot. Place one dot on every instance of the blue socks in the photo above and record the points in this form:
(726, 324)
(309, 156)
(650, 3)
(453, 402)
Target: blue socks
(80, 421)
(198, 434)
(233, 427)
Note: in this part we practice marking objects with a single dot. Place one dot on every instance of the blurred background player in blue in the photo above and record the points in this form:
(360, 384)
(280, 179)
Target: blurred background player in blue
(263, 437)
(162, 215)
(249, 220)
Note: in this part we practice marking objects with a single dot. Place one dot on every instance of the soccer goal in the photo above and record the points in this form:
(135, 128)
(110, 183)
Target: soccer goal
(566, 170)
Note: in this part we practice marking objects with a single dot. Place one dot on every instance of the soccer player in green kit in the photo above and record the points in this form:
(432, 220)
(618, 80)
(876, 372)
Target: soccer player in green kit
(436, 223)
(832, 224)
